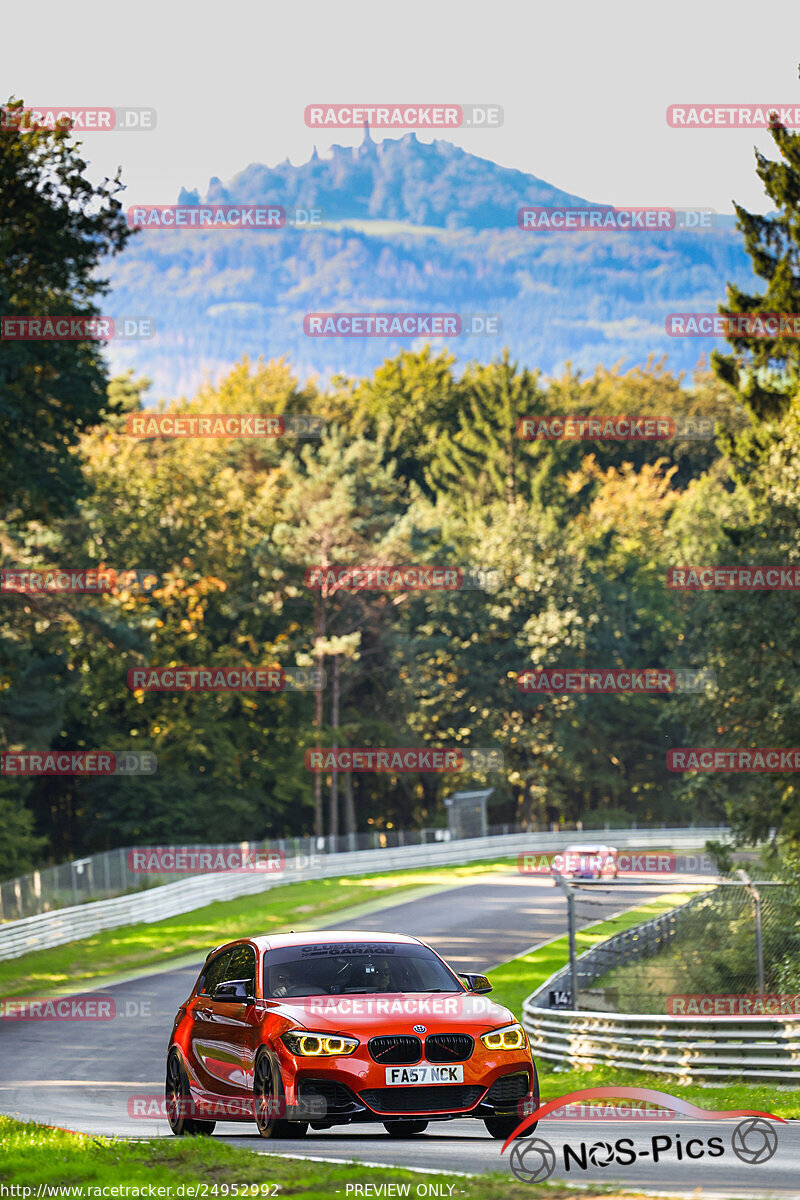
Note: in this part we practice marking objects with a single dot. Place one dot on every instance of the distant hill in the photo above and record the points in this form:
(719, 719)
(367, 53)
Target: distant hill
(410, 227)
(403, 179)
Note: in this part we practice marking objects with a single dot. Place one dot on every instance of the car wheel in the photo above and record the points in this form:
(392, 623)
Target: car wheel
(503, 1127)
(179, 1102)
(269, 1101)
(404, 1128)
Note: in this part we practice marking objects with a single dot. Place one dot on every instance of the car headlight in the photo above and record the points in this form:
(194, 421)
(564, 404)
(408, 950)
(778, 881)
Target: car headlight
(510, 1037)
(317, 1045)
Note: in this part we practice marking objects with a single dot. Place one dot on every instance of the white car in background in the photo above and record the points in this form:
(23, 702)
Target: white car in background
(590, 862)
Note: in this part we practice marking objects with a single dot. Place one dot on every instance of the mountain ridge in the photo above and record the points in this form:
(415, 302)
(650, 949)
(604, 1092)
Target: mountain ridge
(412, 227)
(425, 183)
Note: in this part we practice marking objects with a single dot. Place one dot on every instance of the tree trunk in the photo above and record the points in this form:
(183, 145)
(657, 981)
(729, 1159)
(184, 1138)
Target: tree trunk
(349, 803)
(527, 805)
(319, 630)
(333, 812)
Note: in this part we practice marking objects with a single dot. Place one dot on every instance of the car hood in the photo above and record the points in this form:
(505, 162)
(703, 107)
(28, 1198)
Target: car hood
(392, 1012)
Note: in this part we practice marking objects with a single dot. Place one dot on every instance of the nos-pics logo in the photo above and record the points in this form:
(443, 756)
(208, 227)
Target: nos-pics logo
(753, 1141)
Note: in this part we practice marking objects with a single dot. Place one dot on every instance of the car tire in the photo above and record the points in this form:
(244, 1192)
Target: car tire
(178, 1098)
(269, 1100)
(503, 1127)
(291, 1129)
(404, 1128)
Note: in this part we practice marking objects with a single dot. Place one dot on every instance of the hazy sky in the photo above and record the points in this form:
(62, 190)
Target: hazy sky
(584, 86)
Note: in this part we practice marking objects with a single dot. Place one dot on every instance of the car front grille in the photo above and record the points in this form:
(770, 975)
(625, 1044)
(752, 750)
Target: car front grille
(437, 1099)
(509, 1088)
(396, 1048)
(448, 1047)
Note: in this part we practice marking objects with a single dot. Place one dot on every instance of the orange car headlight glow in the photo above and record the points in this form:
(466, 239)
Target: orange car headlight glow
(510, 1037)
(317, 1045)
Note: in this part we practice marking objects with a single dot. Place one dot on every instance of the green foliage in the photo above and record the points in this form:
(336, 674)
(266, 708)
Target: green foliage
(57, 228)
(417, 465)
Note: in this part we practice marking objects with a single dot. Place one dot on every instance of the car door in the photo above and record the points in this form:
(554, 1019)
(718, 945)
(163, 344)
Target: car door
(204, 1036)
(231, 1023)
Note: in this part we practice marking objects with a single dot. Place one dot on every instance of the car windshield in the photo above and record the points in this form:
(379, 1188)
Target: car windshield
(344, 968)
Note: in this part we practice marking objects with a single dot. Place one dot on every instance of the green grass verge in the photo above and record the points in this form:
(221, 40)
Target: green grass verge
(302, 905)
(516, 979)
(31, 1155)
(765, 1097)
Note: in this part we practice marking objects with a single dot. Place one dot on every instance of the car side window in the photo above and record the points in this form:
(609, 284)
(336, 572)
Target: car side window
(242, 965)
(214, 973)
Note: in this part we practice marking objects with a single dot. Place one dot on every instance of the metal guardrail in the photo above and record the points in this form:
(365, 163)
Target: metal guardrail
(689, 1049)
(158, 903)
(109, 873)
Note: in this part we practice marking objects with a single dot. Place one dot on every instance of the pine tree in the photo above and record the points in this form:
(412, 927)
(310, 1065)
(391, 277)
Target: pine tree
(765, 371)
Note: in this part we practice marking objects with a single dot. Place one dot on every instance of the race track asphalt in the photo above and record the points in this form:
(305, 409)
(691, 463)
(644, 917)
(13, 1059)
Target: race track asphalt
(87, 1075)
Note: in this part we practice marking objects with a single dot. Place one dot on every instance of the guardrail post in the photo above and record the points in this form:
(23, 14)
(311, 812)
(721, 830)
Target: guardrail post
(755, 896)
(561, 883)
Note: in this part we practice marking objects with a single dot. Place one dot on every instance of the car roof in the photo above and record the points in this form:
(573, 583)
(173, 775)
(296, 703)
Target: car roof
(278, 941)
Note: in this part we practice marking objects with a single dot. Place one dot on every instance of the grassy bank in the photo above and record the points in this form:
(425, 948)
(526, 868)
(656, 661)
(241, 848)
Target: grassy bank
(33, 1155)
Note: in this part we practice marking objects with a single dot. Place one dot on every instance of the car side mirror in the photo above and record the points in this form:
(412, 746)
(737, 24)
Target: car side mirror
(476, 983)
(233, 989)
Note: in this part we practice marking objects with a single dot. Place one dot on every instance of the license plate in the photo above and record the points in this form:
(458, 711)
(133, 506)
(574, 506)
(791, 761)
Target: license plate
(422, 1074)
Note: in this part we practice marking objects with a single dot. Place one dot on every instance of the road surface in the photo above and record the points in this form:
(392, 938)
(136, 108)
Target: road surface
(88, 1075)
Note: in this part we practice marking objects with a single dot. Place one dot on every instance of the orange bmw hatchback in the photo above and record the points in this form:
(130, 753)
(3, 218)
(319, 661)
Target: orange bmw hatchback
(320, 1029)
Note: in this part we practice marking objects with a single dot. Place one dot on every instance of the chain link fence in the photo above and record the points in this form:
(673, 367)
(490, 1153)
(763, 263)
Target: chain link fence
(735, 941)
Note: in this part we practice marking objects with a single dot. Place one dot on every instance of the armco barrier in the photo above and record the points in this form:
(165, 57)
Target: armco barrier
(689, 1049)
(84, 920)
